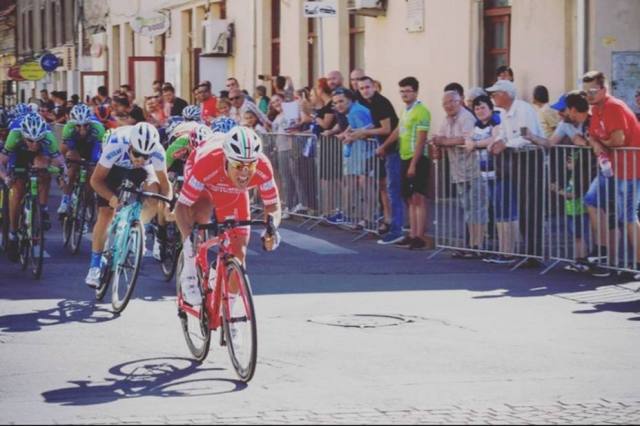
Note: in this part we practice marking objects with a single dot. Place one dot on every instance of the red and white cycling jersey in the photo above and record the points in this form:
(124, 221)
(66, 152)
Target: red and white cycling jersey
(205, 175)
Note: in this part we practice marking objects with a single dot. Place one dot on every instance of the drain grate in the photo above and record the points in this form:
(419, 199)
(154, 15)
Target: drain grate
(362, 320)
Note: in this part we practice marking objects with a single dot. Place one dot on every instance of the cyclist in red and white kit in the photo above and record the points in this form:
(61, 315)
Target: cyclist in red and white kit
(221, 178)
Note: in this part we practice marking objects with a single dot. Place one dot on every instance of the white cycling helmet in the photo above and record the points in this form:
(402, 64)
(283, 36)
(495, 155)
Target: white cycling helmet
(191, 113)
(81, 114)
(33, 127)
(242, 144)
(144, 138)
(199, 135)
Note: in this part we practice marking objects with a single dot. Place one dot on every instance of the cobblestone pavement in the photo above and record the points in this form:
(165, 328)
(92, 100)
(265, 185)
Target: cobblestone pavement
(595, 412)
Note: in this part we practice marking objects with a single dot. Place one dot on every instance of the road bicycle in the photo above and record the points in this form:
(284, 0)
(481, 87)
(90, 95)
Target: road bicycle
(124, 247)
(81, 209)
(31, 225)
(226, 299)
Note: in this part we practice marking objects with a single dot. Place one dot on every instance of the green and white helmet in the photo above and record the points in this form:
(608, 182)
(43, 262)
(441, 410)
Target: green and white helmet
(242, 144)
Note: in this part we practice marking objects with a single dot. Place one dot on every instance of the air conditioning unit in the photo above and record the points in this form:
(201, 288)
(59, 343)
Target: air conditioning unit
(216, 37)
(367, 7)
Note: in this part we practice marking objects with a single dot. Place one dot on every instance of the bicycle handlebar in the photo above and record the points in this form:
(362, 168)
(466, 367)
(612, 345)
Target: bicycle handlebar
(170, 201)
(218, 227)
(37, 170)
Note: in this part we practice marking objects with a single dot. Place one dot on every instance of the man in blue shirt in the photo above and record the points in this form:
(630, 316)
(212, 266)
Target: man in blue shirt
(357, 155)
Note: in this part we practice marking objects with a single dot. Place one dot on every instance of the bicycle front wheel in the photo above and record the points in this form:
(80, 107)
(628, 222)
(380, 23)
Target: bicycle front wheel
(36, 243)
(170, 251)
(106, 272)
(239, 321)
(196, 330)
(127, 268)
(78, 222)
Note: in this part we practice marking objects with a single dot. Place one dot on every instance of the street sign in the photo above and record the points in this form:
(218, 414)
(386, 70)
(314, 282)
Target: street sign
(151, 25)
(320, 9)
(49, 62)
(32, 71)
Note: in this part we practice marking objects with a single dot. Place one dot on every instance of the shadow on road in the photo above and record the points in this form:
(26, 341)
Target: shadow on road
(67, 311)
(151, 377)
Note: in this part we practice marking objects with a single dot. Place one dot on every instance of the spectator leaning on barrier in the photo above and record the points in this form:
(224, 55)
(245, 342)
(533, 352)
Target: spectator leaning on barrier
(547, 116)
(59, 109)
(354, 78)
(600, 196)
(456, 128)
(474, 92)
(336, 81)
(411, 133)
(613, 128)
(385, 121)
(45, 100)
(355, 158)
(103, 96)
(495, 171)
(521, 128)
(154, 112)
(172, 104)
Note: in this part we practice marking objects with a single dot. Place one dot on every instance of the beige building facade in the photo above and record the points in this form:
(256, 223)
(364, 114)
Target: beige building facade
(549, 42)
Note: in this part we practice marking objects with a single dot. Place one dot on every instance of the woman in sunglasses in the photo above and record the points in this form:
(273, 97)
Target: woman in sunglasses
(133, 153)
(222, 177)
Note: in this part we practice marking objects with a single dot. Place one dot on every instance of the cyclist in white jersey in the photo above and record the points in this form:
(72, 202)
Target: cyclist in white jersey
(133, 153)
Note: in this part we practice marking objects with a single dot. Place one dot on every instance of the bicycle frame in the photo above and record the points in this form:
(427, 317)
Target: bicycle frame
(121, 223)
(213, 296)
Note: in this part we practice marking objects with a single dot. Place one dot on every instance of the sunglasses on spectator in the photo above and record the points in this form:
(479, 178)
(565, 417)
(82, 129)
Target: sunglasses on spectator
(593, 91)
(137, 154)
(239, 165)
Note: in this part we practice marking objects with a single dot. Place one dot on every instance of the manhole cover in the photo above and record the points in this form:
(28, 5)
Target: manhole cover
(362, 320)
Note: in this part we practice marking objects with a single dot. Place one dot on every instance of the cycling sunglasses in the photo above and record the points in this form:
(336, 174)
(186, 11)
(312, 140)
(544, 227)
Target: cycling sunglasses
(137, 154)
(239, 165)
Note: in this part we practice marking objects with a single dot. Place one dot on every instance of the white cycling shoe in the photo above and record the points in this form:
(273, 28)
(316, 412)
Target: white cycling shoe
(93, 277)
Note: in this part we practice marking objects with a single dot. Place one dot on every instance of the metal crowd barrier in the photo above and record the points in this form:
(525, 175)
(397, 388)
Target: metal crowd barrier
(322, 181)
(554, 204)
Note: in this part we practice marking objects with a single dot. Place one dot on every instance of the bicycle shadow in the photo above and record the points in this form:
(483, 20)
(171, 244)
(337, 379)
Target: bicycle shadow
(67, 311)
(151, 377)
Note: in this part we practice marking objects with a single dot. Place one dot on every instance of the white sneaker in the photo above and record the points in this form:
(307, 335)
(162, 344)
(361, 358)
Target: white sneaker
(156, 250)
(299, 208)
(93, 277)
(64, 206)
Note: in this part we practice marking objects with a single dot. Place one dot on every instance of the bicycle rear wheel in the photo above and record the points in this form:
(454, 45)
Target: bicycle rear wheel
(239, 321)
(171, 251)
(195, 329)
(78, 222)
(36, 243)
(126, 270)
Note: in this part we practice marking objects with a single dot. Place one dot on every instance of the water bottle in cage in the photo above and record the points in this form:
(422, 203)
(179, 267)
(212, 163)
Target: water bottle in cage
(605, 165)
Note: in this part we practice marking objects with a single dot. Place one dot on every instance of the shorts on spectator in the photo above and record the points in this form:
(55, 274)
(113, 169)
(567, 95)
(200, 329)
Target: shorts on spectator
(474, 198)
(627, 198)
(358, 162)
(506, 201)
(417, 184)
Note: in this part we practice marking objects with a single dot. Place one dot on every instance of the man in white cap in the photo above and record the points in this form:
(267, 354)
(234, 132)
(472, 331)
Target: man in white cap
(520, 127)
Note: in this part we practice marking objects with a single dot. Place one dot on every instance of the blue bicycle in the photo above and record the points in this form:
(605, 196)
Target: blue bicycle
(124, 247)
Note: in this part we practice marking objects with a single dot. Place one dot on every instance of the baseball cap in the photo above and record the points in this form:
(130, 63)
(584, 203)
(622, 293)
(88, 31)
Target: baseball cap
(503, 86)
(561, 103)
